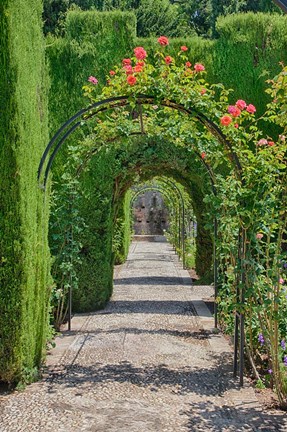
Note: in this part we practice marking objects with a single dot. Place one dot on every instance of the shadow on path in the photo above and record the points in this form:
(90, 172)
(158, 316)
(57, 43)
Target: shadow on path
(166, 307)
(210, 417)
(213, 381)
(154, 280)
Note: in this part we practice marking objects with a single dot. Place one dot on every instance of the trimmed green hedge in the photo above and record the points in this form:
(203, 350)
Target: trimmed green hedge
(105, 208)
(24, 259)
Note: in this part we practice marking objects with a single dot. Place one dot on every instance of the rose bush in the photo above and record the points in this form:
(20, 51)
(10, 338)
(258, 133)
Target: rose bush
(166, 97)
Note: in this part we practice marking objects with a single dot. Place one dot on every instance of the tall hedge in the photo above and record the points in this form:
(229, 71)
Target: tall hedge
(24, 257)
(94, 42)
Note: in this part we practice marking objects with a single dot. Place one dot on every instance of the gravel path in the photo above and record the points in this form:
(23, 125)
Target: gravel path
(149, 362)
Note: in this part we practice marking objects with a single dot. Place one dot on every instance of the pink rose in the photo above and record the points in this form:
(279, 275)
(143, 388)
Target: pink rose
(251, 109)
(203, 155)
(140, 53)
(162, 40)
(241, 104)
(188, 64)
(198, 67)
(183, 48)
(262, 142)
(93, 80)
(234, 111)
(259, 236)
(126, 61)
(128, 69)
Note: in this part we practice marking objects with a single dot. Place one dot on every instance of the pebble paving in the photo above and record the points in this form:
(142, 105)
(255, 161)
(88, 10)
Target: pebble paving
(148, 362)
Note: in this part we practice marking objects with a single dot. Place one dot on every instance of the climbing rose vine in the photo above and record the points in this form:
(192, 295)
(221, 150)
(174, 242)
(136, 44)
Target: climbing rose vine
(168, 97)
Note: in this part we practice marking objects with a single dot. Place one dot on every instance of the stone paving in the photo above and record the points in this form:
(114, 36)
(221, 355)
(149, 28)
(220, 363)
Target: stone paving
(149, 362)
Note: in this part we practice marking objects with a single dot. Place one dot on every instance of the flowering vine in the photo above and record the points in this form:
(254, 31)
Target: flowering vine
(169, 97)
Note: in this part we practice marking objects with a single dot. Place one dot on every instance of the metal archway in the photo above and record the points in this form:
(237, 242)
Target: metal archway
(90, 112)
(282, 4)
(66, 129)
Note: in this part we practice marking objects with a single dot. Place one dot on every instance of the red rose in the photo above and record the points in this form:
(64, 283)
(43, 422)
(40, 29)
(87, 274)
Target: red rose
(225, 120)
(203, 91)
(241, 104)
(137, 68)
(168, 60)
(271, 143)
(140, 53)
(112, 73)
(162, 40)
(140, 63)
(198, 67)
(126, 62)
(251, 109)
(203, 155)
(236, 125)
(184, 48)
(131, 80)
(188, 64)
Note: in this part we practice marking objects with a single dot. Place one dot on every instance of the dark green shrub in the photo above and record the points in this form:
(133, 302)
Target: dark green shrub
(24, 269)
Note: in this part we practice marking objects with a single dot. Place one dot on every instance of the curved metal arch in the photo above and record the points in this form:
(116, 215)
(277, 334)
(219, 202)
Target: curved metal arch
(123, 101)
(141, 100)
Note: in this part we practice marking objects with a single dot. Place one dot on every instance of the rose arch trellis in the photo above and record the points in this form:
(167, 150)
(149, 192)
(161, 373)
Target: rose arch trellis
(86, 114)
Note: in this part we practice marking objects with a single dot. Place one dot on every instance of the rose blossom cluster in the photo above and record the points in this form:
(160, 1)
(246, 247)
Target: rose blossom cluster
(235, 111)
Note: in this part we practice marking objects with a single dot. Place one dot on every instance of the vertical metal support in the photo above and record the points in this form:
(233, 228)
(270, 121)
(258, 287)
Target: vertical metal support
(215, 274)
(236, 340)
(236, 318)
(179, 227)
(70, 308)
(242, 301)
(241, 351)
(183, 235)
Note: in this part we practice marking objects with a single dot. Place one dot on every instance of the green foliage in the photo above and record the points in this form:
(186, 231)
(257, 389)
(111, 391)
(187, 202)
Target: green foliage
(203, 15)
(66, 224)
(248, 52)
(24, 269)
(158, 17)
(122, 229)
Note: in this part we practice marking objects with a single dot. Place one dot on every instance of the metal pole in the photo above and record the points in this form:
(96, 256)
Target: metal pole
(236, 319)
(242, 300)
(183, 235)
(215, 274)
(70, 309)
